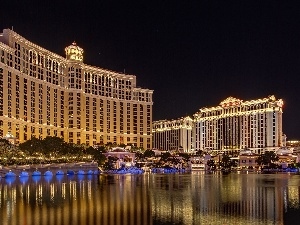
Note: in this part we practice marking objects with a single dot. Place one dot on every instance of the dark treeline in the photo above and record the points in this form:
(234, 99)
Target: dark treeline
(56, 150)
(48, 150)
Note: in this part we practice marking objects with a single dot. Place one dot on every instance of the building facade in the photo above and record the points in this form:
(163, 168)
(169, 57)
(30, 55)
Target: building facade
(44, 94)
(236, 124)
(173, 134)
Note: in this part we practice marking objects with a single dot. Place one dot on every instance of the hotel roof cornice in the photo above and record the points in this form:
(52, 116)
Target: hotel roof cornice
(162, 125)
(6, 47)
(231, 102)
(174, 120)
(29, 43)
(63, 60)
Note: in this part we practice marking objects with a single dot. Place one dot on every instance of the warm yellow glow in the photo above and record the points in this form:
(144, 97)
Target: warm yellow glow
(74, 52)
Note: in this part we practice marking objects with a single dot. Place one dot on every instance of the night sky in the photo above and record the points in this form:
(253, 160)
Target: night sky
(191, 53)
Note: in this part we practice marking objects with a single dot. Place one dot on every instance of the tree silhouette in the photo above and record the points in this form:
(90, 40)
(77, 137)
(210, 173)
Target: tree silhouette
(211, 164)
(32, 146)
(7, 152)
(269, 158)
(149, 153)
(97, 154)
(226, 162)
(52, 145)
(110, 163)
(199, 152)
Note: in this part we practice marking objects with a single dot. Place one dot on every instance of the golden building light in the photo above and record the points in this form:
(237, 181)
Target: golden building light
(173, 134)
(44, 94)
(236, 124)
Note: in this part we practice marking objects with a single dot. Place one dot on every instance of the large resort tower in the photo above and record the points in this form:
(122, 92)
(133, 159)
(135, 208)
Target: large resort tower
(172, 135)
(231, 126)
(236, 124)
(43, 94)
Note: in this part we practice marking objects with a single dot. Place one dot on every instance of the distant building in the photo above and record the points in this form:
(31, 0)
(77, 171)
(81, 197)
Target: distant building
(294, 145)
(199, 162)
(171, 135)
(247, 159)
(158, 152)
(44, 94)
(124, 158)
(236, 124)
(286, 156)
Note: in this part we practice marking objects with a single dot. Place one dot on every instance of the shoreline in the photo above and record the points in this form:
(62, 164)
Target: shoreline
(55, 168)
(92, 168)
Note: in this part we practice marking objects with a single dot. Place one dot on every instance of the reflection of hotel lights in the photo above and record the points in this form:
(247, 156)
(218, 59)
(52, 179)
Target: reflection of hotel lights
(52, 192)
(63, 190)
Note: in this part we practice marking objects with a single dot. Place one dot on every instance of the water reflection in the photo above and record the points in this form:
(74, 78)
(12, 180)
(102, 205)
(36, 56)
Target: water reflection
(197, 198)
(231, 199)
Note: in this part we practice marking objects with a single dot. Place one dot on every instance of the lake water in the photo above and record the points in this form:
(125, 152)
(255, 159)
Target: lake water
(157, 199)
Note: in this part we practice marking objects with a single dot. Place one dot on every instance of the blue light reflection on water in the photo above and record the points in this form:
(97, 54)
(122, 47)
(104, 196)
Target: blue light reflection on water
(156, 199)
(24, 180)
(36, 178)
(10, 180)
(48, 178)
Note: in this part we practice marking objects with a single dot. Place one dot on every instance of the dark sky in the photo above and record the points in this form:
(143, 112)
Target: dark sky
(191, 53)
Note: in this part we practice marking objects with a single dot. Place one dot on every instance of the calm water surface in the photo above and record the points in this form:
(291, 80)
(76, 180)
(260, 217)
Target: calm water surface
(157, 199)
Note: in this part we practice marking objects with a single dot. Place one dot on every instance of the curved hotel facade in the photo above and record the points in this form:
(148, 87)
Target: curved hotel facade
(231, 126)
(43, 94)
(173, 134)
(236, 124)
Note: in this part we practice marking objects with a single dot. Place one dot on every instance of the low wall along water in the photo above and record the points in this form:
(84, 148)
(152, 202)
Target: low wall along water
(58, 168)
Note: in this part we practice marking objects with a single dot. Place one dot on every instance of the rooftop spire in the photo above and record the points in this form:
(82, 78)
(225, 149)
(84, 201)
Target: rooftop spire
(74, 52)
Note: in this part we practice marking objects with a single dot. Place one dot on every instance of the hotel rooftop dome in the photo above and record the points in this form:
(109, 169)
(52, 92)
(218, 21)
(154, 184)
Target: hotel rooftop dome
(74, 52)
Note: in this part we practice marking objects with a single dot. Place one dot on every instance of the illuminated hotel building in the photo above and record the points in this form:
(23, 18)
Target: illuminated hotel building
(236, 124)
(173, 134)
(44, 94)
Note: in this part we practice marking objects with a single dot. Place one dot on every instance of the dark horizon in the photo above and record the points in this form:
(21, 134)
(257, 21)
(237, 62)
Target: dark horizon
(192, 54)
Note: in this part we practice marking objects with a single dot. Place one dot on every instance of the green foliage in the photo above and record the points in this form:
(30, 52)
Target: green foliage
(10, 154)
(173, 160)
(268, 159)
(5, 146)
(97, 154)
(199, 152)
(32, 146)
(52, 145)
(51, 149)
(211, 164)
(234, 163)
(110, 163)
(292, 166)
(101, 149)
(149, 153)
(186, 157)
(165, 156)
(55, 149)
(226, 162)
(139, 156)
